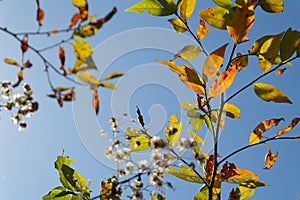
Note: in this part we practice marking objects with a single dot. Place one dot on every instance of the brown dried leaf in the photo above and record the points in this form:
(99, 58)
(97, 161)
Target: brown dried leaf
(40, 16)
(96, 101)
(74, 20)
(24, 44)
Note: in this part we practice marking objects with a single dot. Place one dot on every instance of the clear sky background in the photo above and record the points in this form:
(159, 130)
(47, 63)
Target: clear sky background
(26, 158)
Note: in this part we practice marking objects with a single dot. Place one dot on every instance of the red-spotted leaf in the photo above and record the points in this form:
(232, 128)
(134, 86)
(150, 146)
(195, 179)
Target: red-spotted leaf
(222, 83)
(291, 125)
(215, 17)
(213, 63)
(262, 127)
(202, 30)
(239, 21)
(270, 93)
(270, 159)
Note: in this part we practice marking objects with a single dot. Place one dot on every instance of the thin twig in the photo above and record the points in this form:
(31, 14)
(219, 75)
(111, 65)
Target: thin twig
(55, 45)
(261, 142)
(258, 78)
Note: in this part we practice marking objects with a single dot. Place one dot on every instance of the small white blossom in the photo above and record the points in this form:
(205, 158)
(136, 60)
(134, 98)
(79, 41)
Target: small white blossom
(108, 152)
(22, 126)
(136, 195)
(143, 165)
(186, 143)
(6, 93)
(118, 156)
(156, 142)
(126, 151)
(128, 167)
(137, 184)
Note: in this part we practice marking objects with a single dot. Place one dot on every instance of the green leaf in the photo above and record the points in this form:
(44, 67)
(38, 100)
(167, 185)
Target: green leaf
(108, 85)
(184, 173)
(215, 17)
(187, 8)
(258, 43)
(232, 111)
(154, 7)
(70, 178)
(208, 123)
(188, 53)
(203, 194)
(173, 131)
(113, 75)
(196, 137)
(140, 143)
(88, 78)
(58, 193)
(178, 25)
(188, 105)
(270, 93)
(272, 6)
(196, 123)
(289, 44)
(193, 113)
(131, 132)
(224, 3)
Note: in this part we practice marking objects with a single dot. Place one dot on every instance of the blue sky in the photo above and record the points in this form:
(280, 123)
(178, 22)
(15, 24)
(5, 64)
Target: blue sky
(26, 158)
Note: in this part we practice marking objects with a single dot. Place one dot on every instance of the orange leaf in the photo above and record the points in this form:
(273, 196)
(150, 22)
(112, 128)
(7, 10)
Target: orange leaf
(228, 171)
(69, 95)
(262, 127)
(187, 75)
(202, 30)
(240, 62)
(40, 16)
(74, 20)
(222, 83)
(270, 159)
(213, 63)
(55, 31)
(61, 54)
(11, 62)
(291, 125)
(279, 72)
(27, 64)
(24, 44)
(96, 101)
(83, 13)
(20, 78)
(239, 21)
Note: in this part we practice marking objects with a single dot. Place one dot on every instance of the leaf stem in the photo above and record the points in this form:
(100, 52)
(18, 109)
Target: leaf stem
(261, 142)
(258, 78)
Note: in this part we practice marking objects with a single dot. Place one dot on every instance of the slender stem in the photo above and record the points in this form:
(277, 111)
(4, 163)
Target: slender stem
(191, 32)
(231, 56)
(46, 32)
(40, 55)
(261, 142)
(258, 78)
(55, 45)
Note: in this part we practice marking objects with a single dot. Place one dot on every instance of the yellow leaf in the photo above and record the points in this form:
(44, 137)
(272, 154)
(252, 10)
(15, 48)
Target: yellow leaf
(222, 83)
(262, 127)
(202, 30)
(214, 118)
(291, 125)
(270, 159)
(272, 6)
(188, 53)
(187, 75)
(270, 93)
(88, 78)
(113, 75)
(269, 51)
(187, 8)
(196, 137)
(79, 3)
(86, 31)
(239, 21)
(81, 49)
(240, 62)
(140, 143)
(232, 111)
(178, 25)
(11, 62)
(214, 17)
(213, 63)
(184, 173)
(173, 131)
